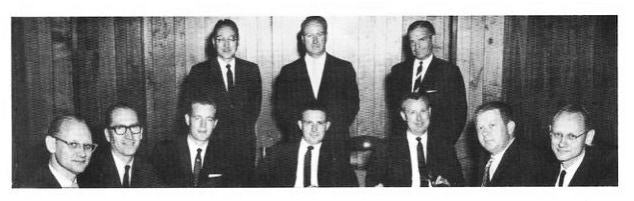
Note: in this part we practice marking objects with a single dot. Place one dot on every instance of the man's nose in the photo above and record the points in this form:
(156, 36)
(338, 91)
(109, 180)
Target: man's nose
(313, 128)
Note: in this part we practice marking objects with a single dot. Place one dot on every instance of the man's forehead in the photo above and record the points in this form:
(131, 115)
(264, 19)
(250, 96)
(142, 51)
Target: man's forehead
(313, 114)
(568, 121)
(73, 129)
(124, 115)
(420, 32)
(226, 31)
(411, 104)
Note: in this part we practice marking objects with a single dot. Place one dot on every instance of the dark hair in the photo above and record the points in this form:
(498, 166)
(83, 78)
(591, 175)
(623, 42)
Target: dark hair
(312, 106)
(200, 99)
(210, 49)
(575, 109)
(414, 96)
(56, 125)
(318, 19)
(119, 105)
(505, 110)
(422, 24)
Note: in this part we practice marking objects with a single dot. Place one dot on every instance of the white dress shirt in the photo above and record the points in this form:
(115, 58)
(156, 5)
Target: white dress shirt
(315, 68)
(413, 155)
(314, 164)
(426, 63)
(571, 170)
(223, 68)
(497, 158)
(63, 181)
(193, 151)
(120, 164)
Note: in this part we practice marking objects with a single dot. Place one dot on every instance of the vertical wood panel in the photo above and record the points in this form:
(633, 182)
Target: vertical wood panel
(493, 52)
(265, 127)
(365, 69)
(62, 66)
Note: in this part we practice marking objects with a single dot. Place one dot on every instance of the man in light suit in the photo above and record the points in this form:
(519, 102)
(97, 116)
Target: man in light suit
(117, 165)
(317, 76)
(425, 73)
(417, 156)
(70, 145)
(195, 159)
(236, 87)
(308, 162)
(579, 163)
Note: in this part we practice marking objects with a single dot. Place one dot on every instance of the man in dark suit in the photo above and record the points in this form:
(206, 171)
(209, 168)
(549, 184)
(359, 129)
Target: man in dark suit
(317, 76)
(579, 164)
(425, 73)
(236, 87)
(309, 162)
(512, 161)
(195, 159)
(417, 156)
(70, 143)
(118, 165)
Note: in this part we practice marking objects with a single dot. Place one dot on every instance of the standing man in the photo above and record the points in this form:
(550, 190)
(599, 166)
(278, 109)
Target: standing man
(425, 73)
(307, 162)
(417, 156)
(70, 143)
(512, 161)
(193, 160)
(236, 87)
(580, 164)
(118, 165)
(317, 77)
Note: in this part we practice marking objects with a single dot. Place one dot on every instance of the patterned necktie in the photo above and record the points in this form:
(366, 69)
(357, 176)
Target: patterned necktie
(422, 166)
(485, 177)
(307, 160)
(230, 86)
(197, 166)
(419, 75)
(562, 175)
(126, 177)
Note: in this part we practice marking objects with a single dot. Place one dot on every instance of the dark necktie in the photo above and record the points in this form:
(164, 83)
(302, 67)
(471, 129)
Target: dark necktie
(562, 175)
(307, 159)
(126, 177)
(422, 166)
(230, 87)
(197, 166)
(485, 177)
(419, 75)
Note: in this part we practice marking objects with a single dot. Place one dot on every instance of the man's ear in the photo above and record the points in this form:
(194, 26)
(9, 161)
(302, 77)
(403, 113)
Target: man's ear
(510, 127)
(590, 137)
(403, 115)
(50, 144)
(300, 125)
(327, 125)
(187, 119)
(105, 133)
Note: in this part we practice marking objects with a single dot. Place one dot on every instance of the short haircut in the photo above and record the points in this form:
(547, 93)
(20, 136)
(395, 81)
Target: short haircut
(56, 125)
(200, 99)
(505, 110)
(422, 24)
(414, 96)
(312, 106)
(210, 50)
(119, 105)
(575, 109)
(318, 19)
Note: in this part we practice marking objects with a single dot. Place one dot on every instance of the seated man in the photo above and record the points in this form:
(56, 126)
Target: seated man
(580, 164)
(415, 157)
(308, 162)
(70, 144)
(194, 160)
(118, 166)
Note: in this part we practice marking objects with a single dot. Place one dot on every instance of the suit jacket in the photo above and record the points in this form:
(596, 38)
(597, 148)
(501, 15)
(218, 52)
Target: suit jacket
(172, 162)
(338, 92)
(102, 173)
(279, 167)
(391, 164)
(521, 165)
(445, 87)
(237, 111)
(42, 178)
(598, 168)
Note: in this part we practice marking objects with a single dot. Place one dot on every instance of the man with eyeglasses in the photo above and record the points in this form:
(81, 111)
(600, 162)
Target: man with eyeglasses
(70, 145)
(580, 163)
(308, 162)
(119, 165)
(236, 86)
(512, 161)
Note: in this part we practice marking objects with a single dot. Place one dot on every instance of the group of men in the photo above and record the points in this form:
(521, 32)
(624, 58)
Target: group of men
(315, 101)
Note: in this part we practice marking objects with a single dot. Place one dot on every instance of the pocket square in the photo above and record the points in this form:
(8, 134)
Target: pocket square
(214, 175)
(431, 91)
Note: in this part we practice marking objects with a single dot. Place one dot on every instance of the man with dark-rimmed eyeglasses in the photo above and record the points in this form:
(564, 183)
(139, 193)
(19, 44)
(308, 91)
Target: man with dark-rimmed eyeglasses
(580, 163)
(118, 166)
(70, 143)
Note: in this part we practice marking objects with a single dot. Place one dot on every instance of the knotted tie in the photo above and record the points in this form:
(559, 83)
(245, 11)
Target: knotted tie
(197, 166)
(126, 177)
(562, 175)
(422, 166)
(485, 177)
(230, 86)
(419, 75)
(307, 159)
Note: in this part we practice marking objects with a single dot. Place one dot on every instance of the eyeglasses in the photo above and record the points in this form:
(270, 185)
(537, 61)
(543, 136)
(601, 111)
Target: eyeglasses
(121, 130)
(569, 137)
(76, 145)
(219, 39)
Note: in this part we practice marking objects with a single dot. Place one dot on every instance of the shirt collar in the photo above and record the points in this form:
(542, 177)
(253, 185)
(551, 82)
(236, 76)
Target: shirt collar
(575, 165)
(426, 61)
(223, 64)
(498, 156)
(120, 164)
(193, 145)
(411, 136)
(303, 145)
(321, 59)
(64, 181)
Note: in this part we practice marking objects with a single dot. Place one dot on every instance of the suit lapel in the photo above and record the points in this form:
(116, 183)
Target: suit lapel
(110, 171)
(327, 75)
(184, 158)
(431, 69)
(406, 77)
(582, 174)
(402, 153)
(508, 159)
(304, 80)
